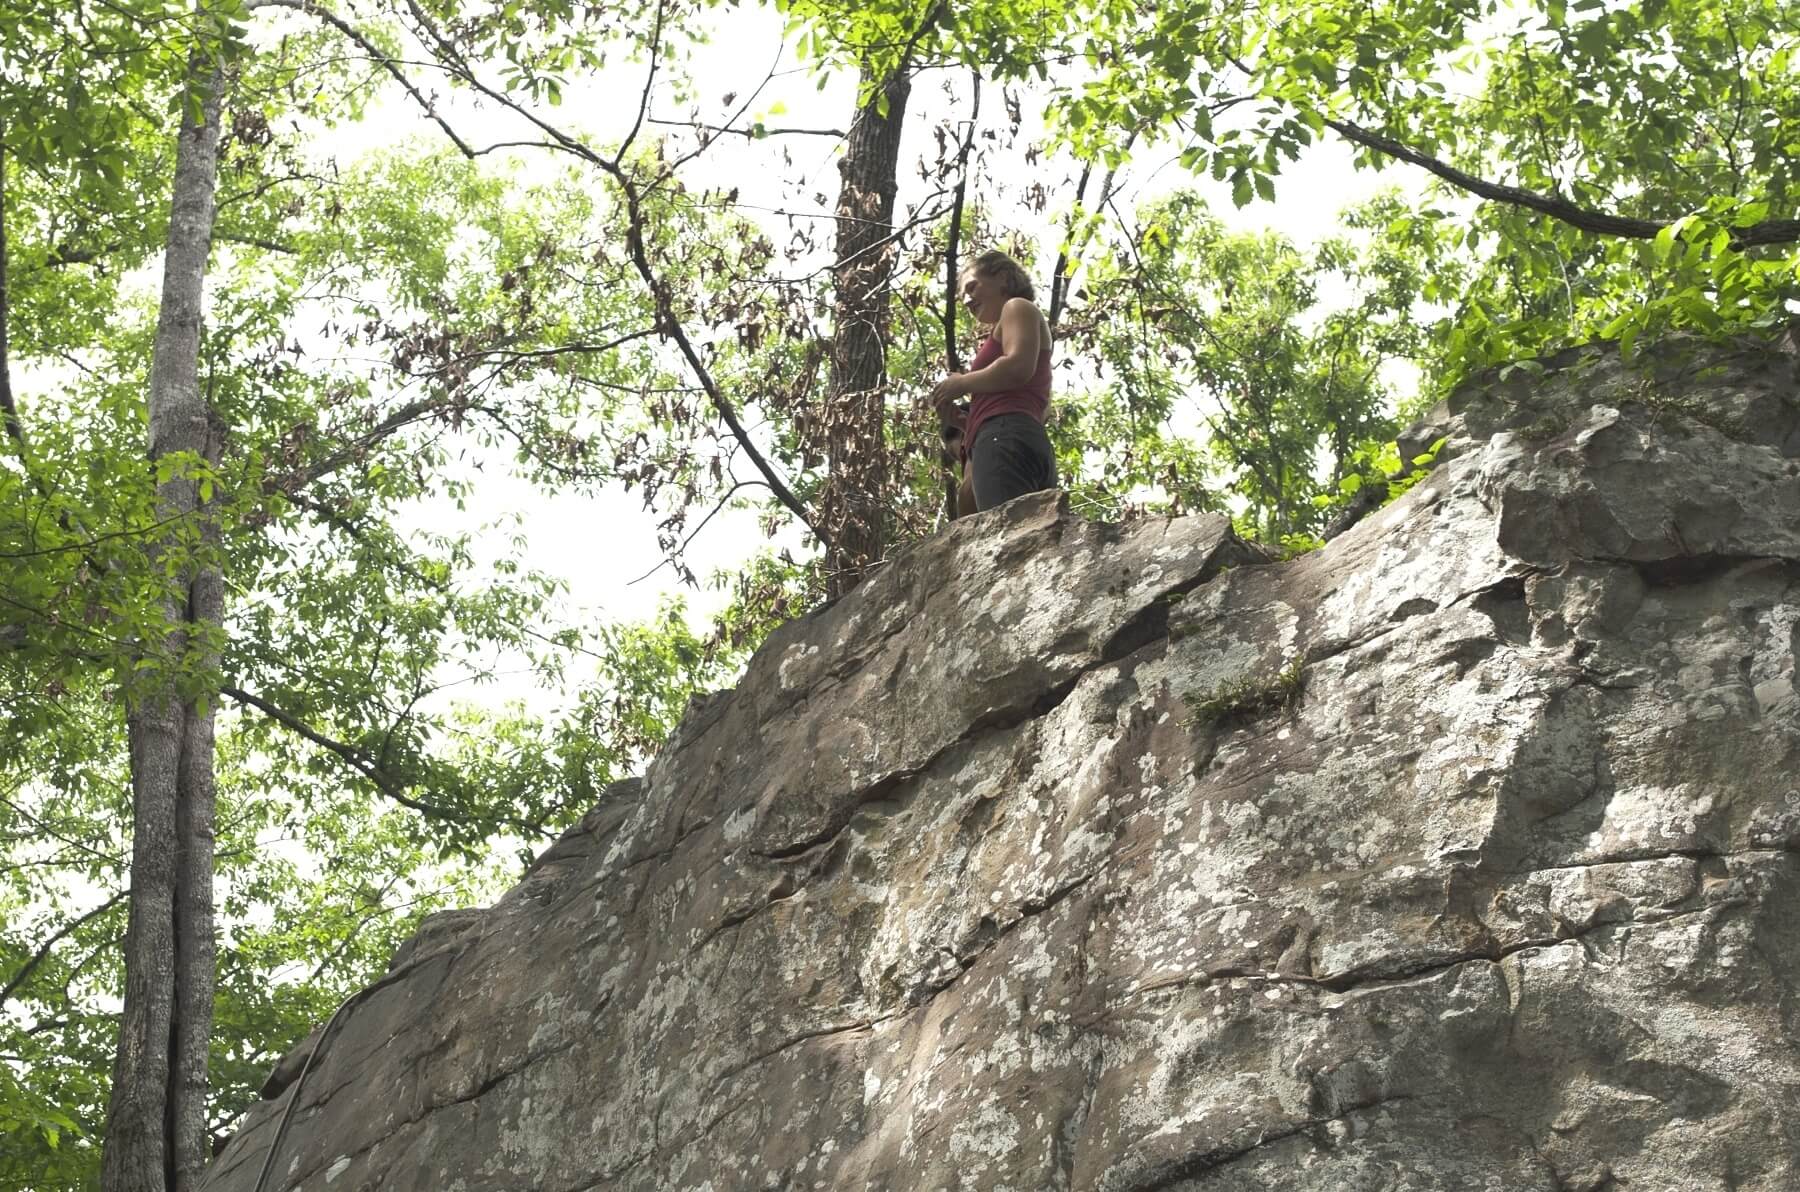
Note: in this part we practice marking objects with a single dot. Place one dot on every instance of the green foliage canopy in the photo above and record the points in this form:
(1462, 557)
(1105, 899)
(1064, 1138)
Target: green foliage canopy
(1679, 216)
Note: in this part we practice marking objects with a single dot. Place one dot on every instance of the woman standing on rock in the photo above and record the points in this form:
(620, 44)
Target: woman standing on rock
(1005, 450)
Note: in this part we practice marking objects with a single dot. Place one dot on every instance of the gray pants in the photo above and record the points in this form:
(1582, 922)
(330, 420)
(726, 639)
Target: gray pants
(1011, 456)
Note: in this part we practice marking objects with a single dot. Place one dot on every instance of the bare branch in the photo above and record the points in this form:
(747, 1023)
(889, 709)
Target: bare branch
(499, 145)
(731, 492)
(649, 83)
(743, 106)
(751, 134)
(577, 349)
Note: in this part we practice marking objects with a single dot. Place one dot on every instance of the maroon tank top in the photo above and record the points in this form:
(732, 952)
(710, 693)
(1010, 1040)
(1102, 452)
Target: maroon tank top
(1033, 397)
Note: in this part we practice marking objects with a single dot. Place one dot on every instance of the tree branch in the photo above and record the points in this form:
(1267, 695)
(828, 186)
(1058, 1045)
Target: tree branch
(388, 784)
(86, 544)
(412, 411)
(337, 521)
(43, 951)
(422, 407)
(1061, 278)
(575, 349)
(948, 433)
(751, 133)
(932, 16)
(384, 60)
(673, 328)
(649, 84)
(255, 242)
(1769, 231)
(669, 170)
(731, 492)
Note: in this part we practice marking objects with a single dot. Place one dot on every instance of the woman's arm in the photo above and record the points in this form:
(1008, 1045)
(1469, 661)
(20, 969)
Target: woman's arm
(1020, 345)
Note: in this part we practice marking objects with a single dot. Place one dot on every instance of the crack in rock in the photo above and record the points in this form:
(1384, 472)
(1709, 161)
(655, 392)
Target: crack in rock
(1191, 1167)
(1029, 910)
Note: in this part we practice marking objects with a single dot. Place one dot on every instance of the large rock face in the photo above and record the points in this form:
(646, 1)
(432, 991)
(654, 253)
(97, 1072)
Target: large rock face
(958, 891)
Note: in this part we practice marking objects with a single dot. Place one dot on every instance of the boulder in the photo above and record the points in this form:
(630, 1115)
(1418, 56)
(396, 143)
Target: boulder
(1460, 853)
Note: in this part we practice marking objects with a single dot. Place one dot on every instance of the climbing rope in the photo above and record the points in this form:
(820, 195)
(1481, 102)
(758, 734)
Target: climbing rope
(324, 1038)
(299, 1081)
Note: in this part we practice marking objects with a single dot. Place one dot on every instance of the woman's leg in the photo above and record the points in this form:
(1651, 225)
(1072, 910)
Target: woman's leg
(1011, 456)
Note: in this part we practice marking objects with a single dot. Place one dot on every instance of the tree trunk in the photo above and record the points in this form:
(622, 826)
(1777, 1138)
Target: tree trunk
(195, 944)
(156, 1118)
(857, 490)
(9, 412)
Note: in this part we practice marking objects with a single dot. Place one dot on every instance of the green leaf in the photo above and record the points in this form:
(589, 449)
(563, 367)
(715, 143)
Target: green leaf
(1628, 341)
(1664, 241)
(1750, 213)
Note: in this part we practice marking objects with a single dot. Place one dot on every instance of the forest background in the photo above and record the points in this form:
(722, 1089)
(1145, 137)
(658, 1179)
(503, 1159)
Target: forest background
(294, 296)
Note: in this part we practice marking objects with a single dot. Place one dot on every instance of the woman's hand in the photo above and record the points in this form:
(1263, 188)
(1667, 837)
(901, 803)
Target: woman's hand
(947, 390)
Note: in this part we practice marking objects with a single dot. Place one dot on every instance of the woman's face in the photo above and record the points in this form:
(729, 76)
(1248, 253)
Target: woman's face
(982, 295)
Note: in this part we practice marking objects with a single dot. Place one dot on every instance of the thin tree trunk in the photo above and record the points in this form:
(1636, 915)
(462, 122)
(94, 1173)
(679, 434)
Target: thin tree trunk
(9, 412)
(857, 488)
(947, 456)
(156, 1117)
(195, 948)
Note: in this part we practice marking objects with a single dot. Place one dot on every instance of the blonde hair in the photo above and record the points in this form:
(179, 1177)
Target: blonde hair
(1011, 275)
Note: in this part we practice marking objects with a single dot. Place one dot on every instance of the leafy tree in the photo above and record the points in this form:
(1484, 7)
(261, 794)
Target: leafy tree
(1674, 219)
(320, 879)
(1275, 358)
(282, 488)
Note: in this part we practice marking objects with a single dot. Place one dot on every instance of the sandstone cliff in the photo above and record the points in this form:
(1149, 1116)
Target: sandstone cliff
(1037, 863)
